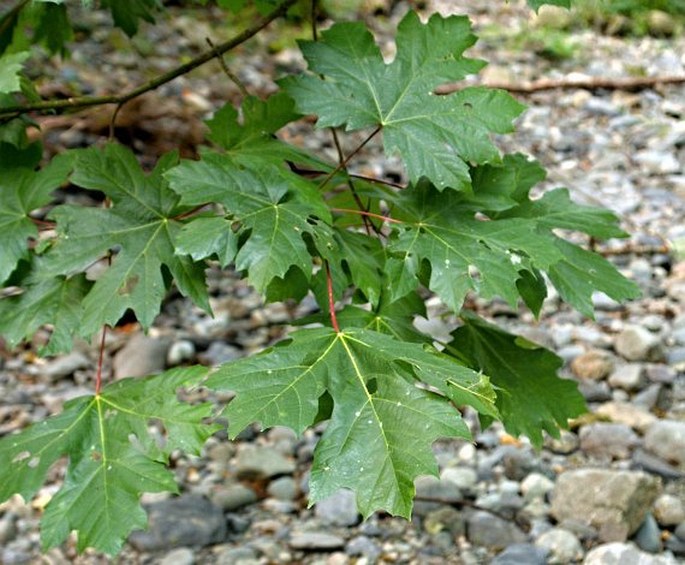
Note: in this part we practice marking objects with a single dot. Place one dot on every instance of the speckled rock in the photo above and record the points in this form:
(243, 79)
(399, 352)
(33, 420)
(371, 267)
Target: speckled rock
(666, 439)
(615, 502)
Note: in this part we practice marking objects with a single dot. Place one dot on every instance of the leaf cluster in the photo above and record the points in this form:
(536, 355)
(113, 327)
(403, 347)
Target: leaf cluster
(293, 223)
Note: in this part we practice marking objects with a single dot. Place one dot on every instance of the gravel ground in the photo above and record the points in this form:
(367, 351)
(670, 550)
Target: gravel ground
(611, 490)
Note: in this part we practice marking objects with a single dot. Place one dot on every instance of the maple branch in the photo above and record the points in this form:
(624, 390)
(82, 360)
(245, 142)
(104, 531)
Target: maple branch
(192, 211)
(86, 101)
(344, 162)
(331, 299)
(369, 214)
(589, 83)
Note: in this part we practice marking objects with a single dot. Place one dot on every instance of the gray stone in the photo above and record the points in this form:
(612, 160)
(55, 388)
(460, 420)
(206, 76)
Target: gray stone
(235, 556)
(658, 162)
(520, 554)
(65, 366)
(488, 530)
(606, 440)
(188, 520)
(648, 536)
(628, 377)
(261, 462)
(180, 556)
(219, 353)
(465, 478)
(535, 486)
(669, 510)
(142, 355)
(676, 545)
(562, 546)
(315, 540)
(649, 397)
(284, 488)
(635, 343)
(624, 554)
(566, 443)
(445, 518)
(8, 528)
(364, 546)
(666, 439)
(595, 364)
(431, 492)
(615, 502)
(675, 357)
(625, 413)
(339, 509)
(181, 350)
(653, 464)
(233, 497)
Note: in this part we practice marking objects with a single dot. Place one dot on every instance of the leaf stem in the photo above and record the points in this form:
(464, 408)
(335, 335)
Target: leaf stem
(368, 214)
(331, 300)
(101, 357)
(346, 160)
(85, 101)
(224, 67)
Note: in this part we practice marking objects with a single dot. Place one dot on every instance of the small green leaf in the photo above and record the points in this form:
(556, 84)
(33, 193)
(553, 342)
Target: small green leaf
(10, 69)
(55, 302)
(113, 458)
(581, 273)
(531, 397)
(22, 190)
(274, 208)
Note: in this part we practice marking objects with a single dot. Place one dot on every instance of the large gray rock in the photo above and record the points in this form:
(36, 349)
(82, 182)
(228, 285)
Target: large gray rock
(189, 520)
(614, 502)
(666, 439)
(623, 554)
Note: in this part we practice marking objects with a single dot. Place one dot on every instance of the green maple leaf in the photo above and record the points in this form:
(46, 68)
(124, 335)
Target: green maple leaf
(113, 458)
(530, 397)
(126, 13)
(276, 211)
(464, 253)
(55, 301)
(10, 71)
(436, 136)
(23, 190)
(140, 228)
(536, 4)
(372, 380)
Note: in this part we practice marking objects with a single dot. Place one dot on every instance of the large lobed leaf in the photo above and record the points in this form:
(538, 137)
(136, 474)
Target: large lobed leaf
(496, 240)
(436, 136)
(276, 213)
(382, 424)
(113, 458)
(139, 229)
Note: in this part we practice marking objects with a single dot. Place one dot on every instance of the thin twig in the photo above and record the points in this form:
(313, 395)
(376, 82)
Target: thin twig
(313, 14)
(590, 83)
(233, 77)
(85, 101)
(365, 213)
(347, 159)
(331, 299)
(101, 357)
